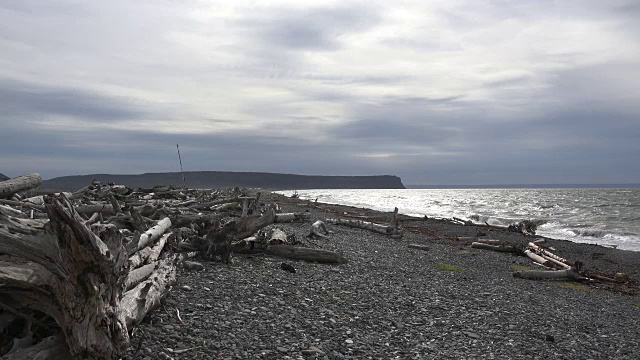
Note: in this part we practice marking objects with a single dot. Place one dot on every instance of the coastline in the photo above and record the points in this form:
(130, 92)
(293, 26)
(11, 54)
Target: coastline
(391, 301)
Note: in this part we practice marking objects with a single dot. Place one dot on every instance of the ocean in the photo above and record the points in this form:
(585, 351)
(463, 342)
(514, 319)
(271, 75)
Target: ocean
(587, 215)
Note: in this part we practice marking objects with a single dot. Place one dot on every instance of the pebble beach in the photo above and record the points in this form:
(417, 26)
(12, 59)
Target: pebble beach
(390, 301)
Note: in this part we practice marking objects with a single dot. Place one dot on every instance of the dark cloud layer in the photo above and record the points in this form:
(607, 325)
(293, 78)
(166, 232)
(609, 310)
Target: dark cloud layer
(18, 98)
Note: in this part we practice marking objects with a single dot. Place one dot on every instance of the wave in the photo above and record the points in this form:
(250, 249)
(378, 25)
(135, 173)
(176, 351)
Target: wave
(593, 215)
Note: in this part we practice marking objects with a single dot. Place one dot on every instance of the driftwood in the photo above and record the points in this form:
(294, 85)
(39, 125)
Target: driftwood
(553, 257)
(277, 237)
(548, 274)
(418, 247)
(319, 230)
(539, 259)
(96, 269)
(392, 231)
(154, 233)
(105, 210)
(51, 348)
(305, 254)
(18, 184)
(148, 254)
(138, 275)
(498, 248)
(145, 297)
(210, 204)
(290, 217)
(66, 257)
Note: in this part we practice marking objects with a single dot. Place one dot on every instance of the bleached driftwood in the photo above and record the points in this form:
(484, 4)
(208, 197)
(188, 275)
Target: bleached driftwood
(39, 200)
(148, 254)
(551, 256)
(154, 233)
(146, 296)
(418, 247)
(393, 231)
(318, 229)
(18, 184)
(290, 217)
(277, 237)
(539, 259)
(138, 275)
(208, 205)
(491, 241)
(49, 263)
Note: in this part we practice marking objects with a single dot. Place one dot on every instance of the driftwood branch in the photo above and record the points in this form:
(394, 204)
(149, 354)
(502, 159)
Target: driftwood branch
(18, 184)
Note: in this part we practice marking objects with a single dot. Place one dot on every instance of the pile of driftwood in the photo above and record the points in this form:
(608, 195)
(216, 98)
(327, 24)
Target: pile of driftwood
(553, 266)
(78, 271)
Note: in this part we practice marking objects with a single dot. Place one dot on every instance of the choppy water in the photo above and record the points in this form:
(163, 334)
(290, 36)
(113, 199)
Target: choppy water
(599, 216)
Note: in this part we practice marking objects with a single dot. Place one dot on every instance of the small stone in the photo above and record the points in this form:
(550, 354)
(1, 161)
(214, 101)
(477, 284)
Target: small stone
(186, 287)
(163, 356)
(349, 341)
(471, 334)
(192, 265)
(550, 338)
(168, 327)
(282, 349)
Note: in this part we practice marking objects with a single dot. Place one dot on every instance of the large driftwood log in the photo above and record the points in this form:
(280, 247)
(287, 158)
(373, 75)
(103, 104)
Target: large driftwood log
(548, 274)
(361, 224)
(305, 254)
(498, 248)
(71, 273)
(137, 302)
(18, 184)
(289, 217)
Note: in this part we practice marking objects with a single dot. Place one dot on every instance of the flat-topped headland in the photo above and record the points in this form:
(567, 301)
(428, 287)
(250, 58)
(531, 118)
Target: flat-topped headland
(221, 179)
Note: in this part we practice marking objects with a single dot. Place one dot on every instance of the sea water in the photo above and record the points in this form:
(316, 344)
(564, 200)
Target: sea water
(597, 216)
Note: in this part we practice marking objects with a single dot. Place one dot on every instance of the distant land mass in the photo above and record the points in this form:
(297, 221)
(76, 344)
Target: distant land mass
(219, 179)
(3, 177)
(529, 186)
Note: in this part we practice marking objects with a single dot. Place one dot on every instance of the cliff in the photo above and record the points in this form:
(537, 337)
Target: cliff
(217, 179)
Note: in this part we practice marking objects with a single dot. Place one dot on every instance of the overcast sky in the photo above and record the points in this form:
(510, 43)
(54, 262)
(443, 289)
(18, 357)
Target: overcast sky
(436, 92)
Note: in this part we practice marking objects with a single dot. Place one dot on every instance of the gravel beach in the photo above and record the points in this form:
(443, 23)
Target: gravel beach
(394, 302)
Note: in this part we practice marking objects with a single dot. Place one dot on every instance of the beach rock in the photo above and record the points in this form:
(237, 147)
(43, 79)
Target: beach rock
(192, 265)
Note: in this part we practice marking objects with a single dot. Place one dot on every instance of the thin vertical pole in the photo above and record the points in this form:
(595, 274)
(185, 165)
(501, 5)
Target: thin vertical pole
(184, 181)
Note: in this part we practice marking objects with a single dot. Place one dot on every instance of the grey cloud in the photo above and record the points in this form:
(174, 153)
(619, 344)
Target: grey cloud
(23, 98)
(317, 28)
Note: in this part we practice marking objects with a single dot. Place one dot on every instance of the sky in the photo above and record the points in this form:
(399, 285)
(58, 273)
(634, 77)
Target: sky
(436, 92)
